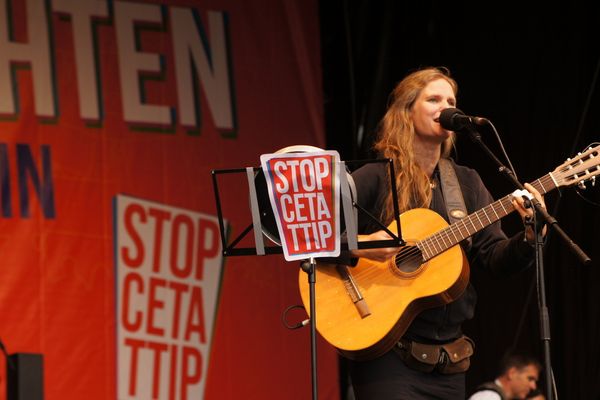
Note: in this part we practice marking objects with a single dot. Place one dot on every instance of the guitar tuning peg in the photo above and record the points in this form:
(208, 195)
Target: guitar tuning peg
(581, 185)
(593, 181)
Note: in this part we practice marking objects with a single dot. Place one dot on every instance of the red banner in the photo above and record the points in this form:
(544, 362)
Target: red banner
(139, 101)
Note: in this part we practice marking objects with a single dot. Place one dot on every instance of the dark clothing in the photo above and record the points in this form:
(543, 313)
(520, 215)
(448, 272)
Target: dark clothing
(490, 249)
(387, 378)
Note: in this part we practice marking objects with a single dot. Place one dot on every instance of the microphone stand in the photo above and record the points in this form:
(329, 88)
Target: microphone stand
(543, 309)
(551, 221)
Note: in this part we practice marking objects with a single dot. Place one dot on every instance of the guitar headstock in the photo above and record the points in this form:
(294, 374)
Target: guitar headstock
(579, 169)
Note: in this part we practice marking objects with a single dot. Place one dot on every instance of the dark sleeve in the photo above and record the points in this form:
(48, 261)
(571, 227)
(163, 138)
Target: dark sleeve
(371, 185)
(491, 249)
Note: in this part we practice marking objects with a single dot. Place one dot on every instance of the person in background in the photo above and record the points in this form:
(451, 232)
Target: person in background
(517, 380)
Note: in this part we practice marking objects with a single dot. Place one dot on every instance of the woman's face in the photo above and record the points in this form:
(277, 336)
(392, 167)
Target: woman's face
(435, 97)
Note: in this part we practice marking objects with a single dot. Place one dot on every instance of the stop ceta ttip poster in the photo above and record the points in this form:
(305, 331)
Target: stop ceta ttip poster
(304, 191)
(169, 265)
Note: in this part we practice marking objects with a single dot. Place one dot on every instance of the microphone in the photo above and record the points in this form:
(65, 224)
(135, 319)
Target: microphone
(454, 119)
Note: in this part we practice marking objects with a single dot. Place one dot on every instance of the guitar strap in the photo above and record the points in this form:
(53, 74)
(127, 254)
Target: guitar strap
(453, 197)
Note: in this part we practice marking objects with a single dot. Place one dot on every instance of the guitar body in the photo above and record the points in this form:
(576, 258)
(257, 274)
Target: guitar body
(393, 296)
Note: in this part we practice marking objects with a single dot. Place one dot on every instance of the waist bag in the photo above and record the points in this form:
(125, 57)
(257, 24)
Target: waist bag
(449, 358)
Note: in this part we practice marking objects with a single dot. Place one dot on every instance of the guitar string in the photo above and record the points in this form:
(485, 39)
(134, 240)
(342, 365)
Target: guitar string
(414, 253)
(425, 246)
(454, 228)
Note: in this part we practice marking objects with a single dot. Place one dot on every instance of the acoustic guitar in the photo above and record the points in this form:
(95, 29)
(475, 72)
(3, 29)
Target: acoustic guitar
(364, 310)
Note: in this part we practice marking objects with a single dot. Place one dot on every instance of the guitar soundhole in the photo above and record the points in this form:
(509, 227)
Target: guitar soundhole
(408, 260)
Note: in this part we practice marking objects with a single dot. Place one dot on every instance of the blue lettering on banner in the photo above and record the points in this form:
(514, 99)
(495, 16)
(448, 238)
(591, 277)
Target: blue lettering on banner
(28, 174)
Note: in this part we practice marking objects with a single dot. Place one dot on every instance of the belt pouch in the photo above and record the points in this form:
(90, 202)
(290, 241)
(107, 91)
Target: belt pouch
(457, 357)
(419, 356)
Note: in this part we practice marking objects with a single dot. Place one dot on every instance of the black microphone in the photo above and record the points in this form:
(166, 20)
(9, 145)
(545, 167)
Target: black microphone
(454, 119)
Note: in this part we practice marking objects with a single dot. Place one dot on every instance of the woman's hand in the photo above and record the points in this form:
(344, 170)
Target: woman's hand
(380, 254)
(525, 213)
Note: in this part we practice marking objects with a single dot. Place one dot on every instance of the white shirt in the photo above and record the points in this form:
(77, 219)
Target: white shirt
(487, 394)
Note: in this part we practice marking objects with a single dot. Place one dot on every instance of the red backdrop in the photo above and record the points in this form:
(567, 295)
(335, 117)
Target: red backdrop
(143, 99)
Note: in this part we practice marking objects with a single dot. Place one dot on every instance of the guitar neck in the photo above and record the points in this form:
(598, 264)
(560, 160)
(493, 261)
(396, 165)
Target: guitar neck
(450, 236)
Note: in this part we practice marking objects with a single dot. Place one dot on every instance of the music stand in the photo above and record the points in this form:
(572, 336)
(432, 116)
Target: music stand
(262, 225)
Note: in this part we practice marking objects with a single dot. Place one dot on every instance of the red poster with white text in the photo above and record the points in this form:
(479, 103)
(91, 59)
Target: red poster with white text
(304, 191)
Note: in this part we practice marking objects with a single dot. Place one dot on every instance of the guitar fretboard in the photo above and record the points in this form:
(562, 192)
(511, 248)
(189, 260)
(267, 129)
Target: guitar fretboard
(450, 236)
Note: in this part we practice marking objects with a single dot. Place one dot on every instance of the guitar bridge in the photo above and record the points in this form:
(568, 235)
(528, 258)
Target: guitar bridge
(353, 291)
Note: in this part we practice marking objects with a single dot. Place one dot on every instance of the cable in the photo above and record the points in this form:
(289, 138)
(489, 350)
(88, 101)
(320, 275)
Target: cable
(580, 188)
(582, 119)
(297, 325)
(351, 76)
(554, 389)
(593, 203)
(503, 150)
(9, 360)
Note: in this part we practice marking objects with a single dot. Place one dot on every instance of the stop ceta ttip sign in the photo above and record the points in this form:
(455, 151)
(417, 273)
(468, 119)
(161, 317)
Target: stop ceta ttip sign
(304, 190)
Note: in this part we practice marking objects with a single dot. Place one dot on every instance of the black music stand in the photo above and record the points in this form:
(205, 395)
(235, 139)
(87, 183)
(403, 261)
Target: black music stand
(263, 224)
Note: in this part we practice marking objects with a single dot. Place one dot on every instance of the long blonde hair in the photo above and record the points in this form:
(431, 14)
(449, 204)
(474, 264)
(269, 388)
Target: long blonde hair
(396, 136)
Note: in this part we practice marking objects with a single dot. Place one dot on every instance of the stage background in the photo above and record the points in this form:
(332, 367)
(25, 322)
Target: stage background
(99, 110)
(75, 133)
(534, 74)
